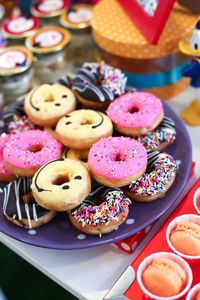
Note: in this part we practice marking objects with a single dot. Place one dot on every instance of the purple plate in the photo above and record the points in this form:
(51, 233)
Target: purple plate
(60, 234)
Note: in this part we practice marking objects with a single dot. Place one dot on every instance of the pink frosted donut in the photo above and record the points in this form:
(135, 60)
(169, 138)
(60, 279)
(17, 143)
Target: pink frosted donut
(5, 174)
(116, 161)
(135, 114)
(28, 150)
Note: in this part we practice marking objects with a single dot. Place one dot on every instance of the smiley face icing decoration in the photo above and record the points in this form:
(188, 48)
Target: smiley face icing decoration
(191, 114)
(48, 103)
(61, 184)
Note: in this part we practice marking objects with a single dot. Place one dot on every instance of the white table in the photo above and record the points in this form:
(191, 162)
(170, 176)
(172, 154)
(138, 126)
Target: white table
(90, 273)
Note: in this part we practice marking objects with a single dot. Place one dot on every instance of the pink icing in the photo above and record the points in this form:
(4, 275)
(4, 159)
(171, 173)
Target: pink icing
(17, 155)
(149, 109)
(3, 168)
(131, 155)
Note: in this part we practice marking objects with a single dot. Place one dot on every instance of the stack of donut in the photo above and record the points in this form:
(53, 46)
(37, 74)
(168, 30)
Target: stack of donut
(59, 158)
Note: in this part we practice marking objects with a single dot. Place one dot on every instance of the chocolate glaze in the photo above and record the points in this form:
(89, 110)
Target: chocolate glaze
(152, 159)
(85, 85)
(99, 124)
(167, 123)
(66, 81)
(99, 193)
(14, 108)
(31, 102)
(13, 204)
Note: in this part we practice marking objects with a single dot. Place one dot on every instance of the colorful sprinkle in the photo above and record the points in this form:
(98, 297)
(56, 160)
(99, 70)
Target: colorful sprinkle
(18, 124)
(151, 183)
(109, 210)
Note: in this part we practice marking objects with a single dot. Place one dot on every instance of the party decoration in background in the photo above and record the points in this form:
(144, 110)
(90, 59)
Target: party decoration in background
(149, 16)
(157, 69)
(191, 114)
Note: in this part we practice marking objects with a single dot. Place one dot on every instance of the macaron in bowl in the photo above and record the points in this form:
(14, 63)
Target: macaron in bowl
(183, 237)
(164, 276)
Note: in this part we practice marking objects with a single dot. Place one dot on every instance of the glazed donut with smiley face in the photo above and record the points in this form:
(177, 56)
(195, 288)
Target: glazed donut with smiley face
(82, 128)
(48, 103)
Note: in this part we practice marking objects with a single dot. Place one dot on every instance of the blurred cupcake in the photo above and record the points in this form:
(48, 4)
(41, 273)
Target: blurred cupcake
(183, 237)
(164, 276)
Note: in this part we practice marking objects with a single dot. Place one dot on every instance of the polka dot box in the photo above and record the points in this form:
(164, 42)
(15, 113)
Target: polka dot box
(146, 66)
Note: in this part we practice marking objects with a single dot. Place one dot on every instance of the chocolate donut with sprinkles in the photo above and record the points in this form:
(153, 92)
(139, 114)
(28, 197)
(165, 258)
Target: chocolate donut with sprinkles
(159, 177)
(14, 117)
(161, 137)
(19, 206)
(117, 161)
(97, 84)
(101, 212)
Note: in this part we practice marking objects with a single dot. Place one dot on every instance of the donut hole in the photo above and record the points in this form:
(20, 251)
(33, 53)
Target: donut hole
(84, 157)
(35, 148)
(119, 157)
(61, 179)
(49, 98)
(86, 122)
(133, 110)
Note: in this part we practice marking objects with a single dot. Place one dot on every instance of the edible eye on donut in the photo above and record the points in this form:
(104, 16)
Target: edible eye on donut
(46, 104)
(101, 212)
(81, 128)
(135, 114)
(97, 84)
(156, 181)
(117, 161)
(19, 206)
(61, 184)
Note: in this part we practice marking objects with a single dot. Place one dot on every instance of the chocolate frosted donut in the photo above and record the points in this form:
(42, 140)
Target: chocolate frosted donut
(101, 212)
(19, 206)
(155, 182)
(66, 81)
(96, 84)
(14, 108)
(14, 117)
(161, 137)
